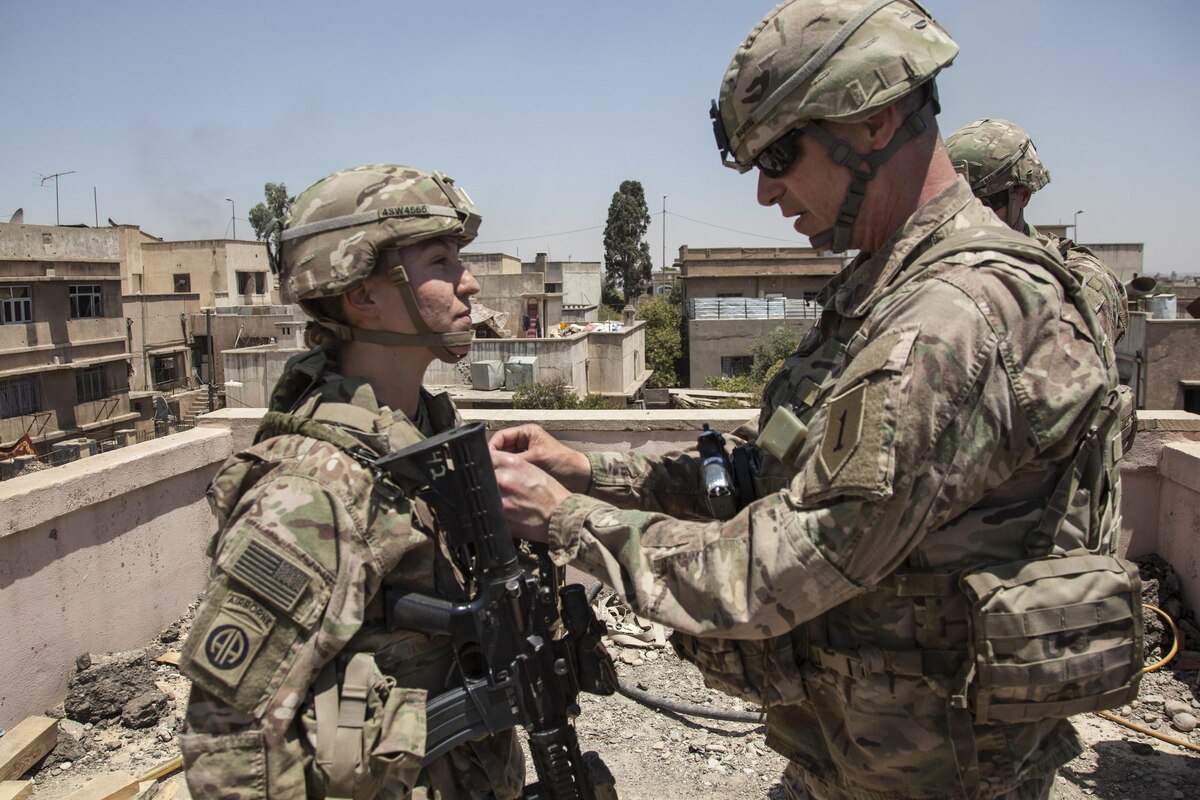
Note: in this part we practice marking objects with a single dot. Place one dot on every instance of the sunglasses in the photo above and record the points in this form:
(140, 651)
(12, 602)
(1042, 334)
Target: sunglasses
(778, 157)
(996, 201)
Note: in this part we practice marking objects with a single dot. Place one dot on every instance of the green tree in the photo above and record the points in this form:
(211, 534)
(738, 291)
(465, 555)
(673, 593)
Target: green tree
(664, 345)
(557, 394)
(554, 393)
(768, 352)
(626, 254)
(263, 216)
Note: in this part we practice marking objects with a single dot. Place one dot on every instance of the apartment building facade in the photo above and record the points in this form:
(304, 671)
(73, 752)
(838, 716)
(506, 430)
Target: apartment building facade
(734, 295)
(64, 358)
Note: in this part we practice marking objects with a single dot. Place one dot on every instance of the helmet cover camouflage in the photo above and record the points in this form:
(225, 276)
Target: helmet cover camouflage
(994, 155)
(840, 60)
(336, 227)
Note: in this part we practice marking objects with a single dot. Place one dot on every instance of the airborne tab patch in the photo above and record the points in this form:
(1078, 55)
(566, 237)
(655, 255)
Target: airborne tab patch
(233, 638)
(843, 429)
(271, 574)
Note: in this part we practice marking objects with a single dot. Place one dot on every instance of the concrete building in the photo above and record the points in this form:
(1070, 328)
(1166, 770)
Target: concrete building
(1159, 359)
(578, 283)
(733, 295)
(64, 358)
(664, 281)
(537, 294)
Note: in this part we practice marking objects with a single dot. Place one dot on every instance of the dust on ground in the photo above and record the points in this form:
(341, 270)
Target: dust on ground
(124, 712)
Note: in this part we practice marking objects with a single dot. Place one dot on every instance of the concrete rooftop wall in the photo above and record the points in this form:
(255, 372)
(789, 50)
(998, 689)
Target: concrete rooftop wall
(104, 553)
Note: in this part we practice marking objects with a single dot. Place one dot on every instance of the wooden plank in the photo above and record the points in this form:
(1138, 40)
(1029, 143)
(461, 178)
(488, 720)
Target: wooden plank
(16, 790)
(25, 745)
(113, 786)
(158, 790)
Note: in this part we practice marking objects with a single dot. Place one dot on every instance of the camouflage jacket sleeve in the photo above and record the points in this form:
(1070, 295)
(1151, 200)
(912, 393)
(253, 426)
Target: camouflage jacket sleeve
(949, 388)
(293, 569)
(670, 483)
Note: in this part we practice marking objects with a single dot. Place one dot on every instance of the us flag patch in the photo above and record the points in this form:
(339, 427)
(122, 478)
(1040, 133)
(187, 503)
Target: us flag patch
(273, 576)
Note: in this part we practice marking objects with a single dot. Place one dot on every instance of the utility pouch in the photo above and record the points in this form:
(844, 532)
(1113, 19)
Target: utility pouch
(1052, 637)
(368, 735)
(762, 671)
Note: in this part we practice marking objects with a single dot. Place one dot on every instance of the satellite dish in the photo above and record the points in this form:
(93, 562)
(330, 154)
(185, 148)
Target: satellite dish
(1140, 287)
(18, 217)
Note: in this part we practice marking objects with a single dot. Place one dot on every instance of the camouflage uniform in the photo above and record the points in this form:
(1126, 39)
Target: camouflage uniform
(299, 690)
(941, 402)
(305, 544)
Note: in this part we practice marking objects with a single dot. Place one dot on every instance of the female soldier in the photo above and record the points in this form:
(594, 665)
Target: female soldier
(298, 688)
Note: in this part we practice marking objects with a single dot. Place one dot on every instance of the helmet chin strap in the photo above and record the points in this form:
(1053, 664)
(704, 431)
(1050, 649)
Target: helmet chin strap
(863, 169)
(425, 337)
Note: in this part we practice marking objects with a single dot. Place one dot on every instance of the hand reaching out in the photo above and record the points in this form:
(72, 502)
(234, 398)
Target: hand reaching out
(531, 443)
(528, 494)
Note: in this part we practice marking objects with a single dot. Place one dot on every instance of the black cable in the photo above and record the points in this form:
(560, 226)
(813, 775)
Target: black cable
(663, 704)
(654, 701)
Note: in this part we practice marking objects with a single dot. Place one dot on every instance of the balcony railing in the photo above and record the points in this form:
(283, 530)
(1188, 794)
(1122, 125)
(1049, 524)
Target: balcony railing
(751, 308)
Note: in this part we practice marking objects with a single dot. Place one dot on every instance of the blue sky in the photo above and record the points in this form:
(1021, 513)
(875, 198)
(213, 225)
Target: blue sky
(541, 109)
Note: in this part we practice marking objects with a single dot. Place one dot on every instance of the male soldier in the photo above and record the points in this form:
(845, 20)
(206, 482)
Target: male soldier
(954, 383)
(299, 688)
(999, 161)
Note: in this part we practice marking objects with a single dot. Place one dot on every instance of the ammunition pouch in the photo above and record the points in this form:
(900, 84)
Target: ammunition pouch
(368, 735)
(767, 672)
(1052, 637)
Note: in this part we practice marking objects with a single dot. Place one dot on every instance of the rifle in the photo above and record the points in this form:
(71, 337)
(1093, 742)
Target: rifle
(513, 669)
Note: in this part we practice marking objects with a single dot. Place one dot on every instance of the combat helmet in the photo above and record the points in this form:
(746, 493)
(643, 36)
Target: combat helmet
(839, 60)
(338, 230)
(995, 155)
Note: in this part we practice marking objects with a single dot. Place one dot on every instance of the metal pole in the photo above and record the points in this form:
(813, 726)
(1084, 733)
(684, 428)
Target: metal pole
(57, 220)
(664, 243)
(233, 216)
(1075, 227)
(212, 364)
(96, 206)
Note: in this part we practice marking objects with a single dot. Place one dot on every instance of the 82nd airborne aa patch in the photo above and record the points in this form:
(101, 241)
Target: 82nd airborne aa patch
(234, 636)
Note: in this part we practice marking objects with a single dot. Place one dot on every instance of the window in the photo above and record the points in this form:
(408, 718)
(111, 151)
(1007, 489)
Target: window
(1191, 399)
(85, 301)
(164, 369)
(16, 304)
(183, 283)
(90, 384)
(251, 282)
(732, 366)
(18, 397)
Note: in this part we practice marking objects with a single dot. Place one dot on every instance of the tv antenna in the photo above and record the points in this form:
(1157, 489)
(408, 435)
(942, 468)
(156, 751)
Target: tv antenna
(56, 177)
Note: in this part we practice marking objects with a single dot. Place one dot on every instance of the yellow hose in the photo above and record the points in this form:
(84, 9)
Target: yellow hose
(1162, 663)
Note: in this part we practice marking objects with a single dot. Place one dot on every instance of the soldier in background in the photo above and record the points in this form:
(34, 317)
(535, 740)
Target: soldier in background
(1001, 164)
(999, 161)
(948, 422)
(299, 689)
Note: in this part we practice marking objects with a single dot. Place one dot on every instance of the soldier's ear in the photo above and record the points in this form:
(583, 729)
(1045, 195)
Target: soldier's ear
(1023, 194)
(362, 302)
(882, 125)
